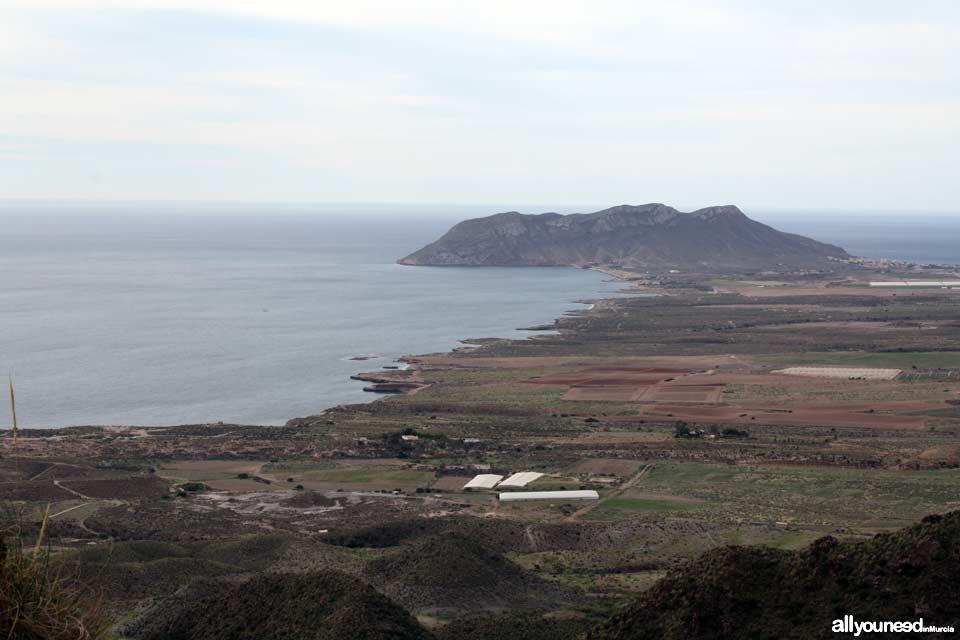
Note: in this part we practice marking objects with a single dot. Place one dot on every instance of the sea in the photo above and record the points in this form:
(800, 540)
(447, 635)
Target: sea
(178, 313)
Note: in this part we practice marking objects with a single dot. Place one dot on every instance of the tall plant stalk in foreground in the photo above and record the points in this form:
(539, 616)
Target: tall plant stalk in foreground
(43, 532)
(40, 599)
(13, 411)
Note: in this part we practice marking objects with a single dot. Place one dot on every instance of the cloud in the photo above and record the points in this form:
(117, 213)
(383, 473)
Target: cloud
(485, 100)
(534, 19)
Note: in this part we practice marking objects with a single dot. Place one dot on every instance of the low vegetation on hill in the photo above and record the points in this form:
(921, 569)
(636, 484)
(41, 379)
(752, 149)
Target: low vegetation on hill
(41, 600)
(758, 592)
(326, 605)
(515, 625)
(453, 572)
(130, 570)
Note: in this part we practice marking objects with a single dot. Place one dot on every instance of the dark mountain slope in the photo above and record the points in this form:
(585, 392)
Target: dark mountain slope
(645, 236)
(756, 592)
(452, 572)
(515, 625)
(317, 606)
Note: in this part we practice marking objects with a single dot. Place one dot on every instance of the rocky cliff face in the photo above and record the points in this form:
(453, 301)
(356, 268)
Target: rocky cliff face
(644, 236)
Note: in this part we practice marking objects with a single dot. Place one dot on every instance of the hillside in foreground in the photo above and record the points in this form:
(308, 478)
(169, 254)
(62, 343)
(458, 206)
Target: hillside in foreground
(325, 605)
(731, 592)
(650, 236)
(759, 592)
(454, 572)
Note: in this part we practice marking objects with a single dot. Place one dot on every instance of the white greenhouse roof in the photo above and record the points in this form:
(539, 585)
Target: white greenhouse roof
(521, 479)
(550, 495)
(483, 481)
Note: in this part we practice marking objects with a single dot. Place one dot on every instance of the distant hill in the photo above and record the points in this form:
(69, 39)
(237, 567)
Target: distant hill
(650, 236)
(758, 592)
(324, 605)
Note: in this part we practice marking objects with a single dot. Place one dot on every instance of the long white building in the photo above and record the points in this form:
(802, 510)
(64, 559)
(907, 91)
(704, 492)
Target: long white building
(512, 496)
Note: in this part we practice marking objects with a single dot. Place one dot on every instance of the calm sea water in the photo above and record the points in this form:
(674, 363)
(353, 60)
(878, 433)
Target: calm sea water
(178, 319)
(154, 315)
(917, 237)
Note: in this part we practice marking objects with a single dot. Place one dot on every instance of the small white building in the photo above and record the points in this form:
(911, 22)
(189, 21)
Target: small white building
(512, 496)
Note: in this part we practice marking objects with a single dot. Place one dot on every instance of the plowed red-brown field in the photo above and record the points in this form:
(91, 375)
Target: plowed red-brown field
(610, 377)
(679, 392)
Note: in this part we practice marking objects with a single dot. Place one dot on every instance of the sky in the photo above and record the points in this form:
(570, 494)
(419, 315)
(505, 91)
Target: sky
(822, 105)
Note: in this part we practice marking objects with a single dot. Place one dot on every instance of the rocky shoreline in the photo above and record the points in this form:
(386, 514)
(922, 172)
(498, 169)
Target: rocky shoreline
(393, 381)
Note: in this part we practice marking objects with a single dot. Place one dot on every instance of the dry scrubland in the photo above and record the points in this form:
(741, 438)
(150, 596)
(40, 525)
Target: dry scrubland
(670, 407)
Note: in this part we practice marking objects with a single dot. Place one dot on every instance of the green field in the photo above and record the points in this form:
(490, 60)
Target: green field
(807, 496)
(621, 507)
(905, 360)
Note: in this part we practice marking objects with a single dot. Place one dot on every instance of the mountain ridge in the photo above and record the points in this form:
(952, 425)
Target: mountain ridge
(649, 236)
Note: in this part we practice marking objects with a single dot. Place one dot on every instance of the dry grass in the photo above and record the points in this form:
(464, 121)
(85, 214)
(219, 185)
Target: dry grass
(39, 597)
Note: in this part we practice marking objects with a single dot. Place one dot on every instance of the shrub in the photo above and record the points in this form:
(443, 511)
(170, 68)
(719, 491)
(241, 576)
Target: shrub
(40, 600)
(730, 432)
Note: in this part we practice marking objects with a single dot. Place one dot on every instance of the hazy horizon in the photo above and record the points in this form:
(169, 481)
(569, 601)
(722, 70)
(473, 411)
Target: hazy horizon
(79, 206)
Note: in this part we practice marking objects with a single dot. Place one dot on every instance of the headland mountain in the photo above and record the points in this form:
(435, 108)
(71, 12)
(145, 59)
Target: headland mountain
(648, 236)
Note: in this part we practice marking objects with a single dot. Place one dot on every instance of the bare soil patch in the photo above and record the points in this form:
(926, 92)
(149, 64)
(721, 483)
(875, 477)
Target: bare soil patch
(451, 483)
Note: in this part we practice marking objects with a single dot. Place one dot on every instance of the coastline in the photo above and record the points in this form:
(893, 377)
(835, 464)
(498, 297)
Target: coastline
(382, 383)
(411, 374)
(407, 380)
